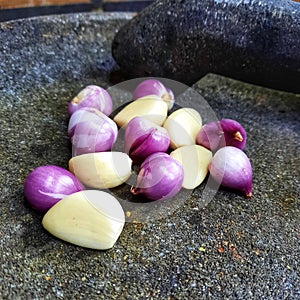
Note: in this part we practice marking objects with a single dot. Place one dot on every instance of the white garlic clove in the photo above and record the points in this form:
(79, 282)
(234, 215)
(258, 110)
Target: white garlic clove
(102, 169)
(150, 107)
(195, 160)
(92, 219)
(183, 126)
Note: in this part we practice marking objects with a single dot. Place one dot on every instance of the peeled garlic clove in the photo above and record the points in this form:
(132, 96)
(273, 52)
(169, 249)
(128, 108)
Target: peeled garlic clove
(101, 170)
(195, 160)
(183, 125)
(92, 219)
(150, 107)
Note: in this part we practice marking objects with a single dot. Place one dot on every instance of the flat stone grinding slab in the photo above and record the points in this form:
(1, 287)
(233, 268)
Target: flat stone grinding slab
(250, 40)
(233, 248)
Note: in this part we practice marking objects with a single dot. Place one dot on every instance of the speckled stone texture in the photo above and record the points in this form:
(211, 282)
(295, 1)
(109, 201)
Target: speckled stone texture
(250, 40)
(233, 248)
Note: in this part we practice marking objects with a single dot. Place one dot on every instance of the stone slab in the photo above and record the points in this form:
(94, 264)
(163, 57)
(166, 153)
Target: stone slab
(232, 248)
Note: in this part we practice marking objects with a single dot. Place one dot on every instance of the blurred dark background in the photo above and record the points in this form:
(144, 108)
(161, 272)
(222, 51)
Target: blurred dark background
(17, 9)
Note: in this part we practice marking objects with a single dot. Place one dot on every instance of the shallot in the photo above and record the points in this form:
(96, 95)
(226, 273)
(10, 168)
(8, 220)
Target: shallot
(231, 167)
(226, 132)
(160, 177)
(46, 185)
(154, 87)
(92, 96)
(91, 131)
(143, 137)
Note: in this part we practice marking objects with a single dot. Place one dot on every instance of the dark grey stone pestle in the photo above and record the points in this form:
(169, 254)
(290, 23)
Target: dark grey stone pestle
(256, 41)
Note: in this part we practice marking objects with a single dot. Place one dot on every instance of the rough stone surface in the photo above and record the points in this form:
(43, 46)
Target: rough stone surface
(233, 248)
(249, 40)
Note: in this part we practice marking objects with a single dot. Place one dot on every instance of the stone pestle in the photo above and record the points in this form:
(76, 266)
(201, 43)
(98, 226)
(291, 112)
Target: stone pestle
(255, 41)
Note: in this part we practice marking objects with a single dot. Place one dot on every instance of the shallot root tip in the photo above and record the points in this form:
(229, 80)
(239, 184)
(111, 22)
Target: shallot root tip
(133, 190)
(75, 100)
(238, 136)
(249, 195)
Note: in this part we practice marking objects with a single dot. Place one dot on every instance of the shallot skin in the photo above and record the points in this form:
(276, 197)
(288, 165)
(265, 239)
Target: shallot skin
(226, 132)
(91, 131)
(143, 137)
(160, 177)
(46, 185)
(154, 87)
(171, 98)
(231, 167)
(149, 87)
(92, 96)
(234, 133)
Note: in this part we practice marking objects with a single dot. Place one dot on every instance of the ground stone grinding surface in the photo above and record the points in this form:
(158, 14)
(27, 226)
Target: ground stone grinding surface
(232, 248)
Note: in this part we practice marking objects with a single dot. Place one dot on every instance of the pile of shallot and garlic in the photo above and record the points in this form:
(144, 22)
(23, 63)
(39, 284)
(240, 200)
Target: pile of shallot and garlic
(173, 150)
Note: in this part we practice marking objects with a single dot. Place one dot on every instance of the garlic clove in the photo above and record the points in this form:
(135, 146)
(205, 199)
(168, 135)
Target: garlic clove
(150, 107)
(92, 219)
(102, 169)
(183, 125)
(195, 160)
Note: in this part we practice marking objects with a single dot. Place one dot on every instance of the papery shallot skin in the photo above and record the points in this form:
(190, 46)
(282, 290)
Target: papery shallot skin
(92, 96)
(231, 167)
(226, 132)
(160, 177)
(46, 185)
